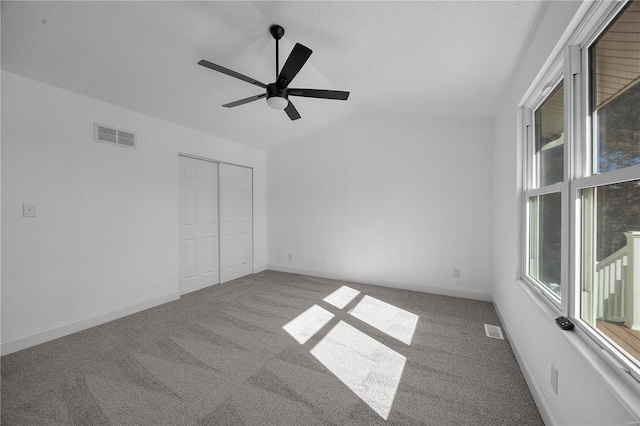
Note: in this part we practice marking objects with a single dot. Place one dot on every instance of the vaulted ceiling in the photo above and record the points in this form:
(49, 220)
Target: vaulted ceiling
(431, 57)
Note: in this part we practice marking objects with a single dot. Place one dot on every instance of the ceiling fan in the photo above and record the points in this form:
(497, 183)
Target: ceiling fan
(278, 93)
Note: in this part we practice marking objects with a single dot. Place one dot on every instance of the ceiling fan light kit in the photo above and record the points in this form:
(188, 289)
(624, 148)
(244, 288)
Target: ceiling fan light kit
(277, 98)
(278, 93)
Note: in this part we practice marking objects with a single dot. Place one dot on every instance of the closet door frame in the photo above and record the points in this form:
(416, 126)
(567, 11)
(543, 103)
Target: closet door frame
(218, 162)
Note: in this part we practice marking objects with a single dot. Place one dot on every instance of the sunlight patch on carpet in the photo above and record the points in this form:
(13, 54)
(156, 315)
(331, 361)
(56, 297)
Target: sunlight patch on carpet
(385, 317)
(367, 367)
(341, 297)
(308, 323)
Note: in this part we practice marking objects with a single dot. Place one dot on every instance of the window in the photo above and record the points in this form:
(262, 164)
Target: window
(610, 302)
(581, 127)
(615, 93)
(549, 135)
(610, 296)
(545, 201)
(544, 262)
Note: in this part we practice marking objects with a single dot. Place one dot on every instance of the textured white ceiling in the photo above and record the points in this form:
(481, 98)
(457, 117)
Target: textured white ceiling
(432, 57)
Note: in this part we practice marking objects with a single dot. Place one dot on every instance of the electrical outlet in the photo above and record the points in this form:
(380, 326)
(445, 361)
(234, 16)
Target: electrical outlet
(28, 210)
(554, 378)
(456, 273)
(290, 257)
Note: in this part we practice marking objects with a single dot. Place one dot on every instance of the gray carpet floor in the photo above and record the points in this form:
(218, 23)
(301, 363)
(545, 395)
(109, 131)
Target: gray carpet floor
(220, 356)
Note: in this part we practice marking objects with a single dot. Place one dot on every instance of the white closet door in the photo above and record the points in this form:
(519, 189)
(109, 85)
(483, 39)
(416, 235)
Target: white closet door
(236, 222)
(199, 266)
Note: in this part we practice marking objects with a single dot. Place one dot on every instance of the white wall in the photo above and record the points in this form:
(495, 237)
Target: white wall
(105, 239)
(387, 199)
(589, 392)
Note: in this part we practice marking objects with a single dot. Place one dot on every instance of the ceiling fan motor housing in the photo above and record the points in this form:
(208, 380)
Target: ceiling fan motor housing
(276, 31)
(277, 98)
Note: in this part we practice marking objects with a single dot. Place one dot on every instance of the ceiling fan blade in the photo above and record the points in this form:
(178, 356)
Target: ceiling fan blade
(295, 61)
(317, 93)
(244, 101)
(231, 73)
(292, 112)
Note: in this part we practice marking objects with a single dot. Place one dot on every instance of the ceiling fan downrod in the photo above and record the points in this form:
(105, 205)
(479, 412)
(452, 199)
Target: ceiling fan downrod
(277, 32)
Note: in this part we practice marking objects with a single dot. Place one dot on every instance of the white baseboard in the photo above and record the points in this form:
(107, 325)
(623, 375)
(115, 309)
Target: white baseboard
(187, 287)
(534, 386)
(386, 282)
(42, 336)
(259, 268)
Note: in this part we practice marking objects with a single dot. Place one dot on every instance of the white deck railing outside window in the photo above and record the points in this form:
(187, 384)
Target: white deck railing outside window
(616, 293)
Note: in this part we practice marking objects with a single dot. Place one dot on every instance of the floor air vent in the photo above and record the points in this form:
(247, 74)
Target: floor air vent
(114, 136)
(493, 331)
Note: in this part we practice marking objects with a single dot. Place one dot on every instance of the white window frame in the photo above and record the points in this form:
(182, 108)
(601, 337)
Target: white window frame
(569, 63)
(551, 79)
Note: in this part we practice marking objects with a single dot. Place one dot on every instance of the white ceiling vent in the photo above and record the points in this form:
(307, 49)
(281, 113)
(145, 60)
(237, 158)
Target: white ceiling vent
(114, 136)
(493, 331)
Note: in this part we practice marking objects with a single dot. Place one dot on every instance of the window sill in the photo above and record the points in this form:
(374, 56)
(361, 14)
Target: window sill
(543, 296)
(613, 375)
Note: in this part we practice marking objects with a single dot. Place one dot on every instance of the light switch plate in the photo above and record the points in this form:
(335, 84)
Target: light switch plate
(28, 210)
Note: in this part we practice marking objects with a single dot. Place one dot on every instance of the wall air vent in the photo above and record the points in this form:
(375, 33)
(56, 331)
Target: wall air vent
(493, 331)
(114, 136)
